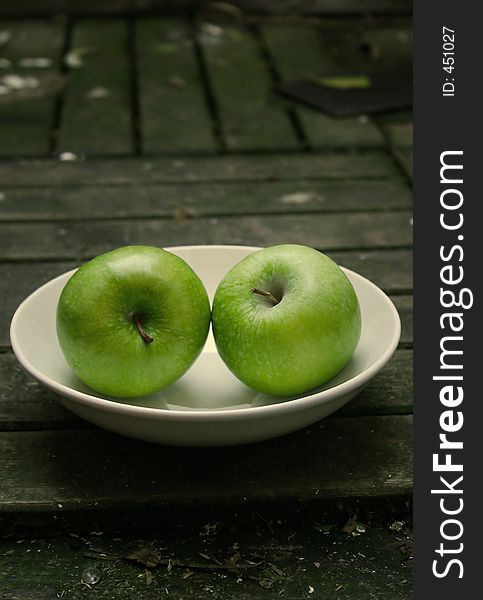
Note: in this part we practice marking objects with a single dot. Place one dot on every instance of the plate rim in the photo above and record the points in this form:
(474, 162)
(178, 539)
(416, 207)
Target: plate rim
(118, 406)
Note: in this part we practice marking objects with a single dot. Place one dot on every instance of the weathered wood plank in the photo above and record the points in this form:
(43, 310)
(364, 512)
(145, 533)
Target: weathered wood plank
(26, 405)
(371, 49)
(331, 231)
(400, 135)
(218, 199)
(174, 113)
(390, 392)
(400, 138)
(266, 7)
(96, 117)
(51, 471)
(404, 305)
(17, 282)
(252, 118)
(391, 270)
(405, 158)
(367, 165)
(26, 125)
(312, 58)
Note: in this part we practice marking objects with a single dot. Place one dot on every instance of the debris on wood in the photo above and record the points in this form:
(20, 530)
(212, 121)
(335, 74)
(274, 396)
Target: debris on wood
(98, 92)
(396, 526)
(266, 583)
(350, 526)
(145, 555)
(324, 528)
(39, 62)
(298, 198)
(74, 59)
(177, 82)
(345, 82)
(68, 157)
(276, 570)
(19, 82)
(14, 87)
(210, 529)
(359, 530)
(90, 577)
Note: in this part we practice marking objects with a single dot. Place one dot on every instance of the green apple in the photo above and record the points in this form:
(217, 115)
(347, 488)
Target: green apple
(286, 319)
(132, 321)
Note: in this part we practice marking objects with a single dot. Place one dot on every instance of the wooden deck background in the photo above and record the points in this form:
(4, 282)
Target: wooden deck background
(177, 138)
(148, 130)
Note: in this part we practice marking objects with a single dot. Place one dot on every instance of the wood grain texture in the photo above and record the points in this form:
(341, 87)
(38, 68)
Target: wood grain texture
(369, 48)
(42, 470)
(252, 118)
(313, 58)
(78, 240)
(399, 135)
(270, 167)
(404, 306)
(174, 112)
(390, 269)
(26, 405)
(26, 125)
(390, 392)
(96, 117)
(265, 7)
(187, 201)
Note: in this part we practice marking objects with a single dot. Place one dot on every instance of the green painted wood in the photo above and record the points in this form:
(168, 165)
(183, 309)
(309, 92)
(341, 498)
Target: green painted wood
(174, 112)
(311, 58)
(17, 281)
(397, 117)
(265, 7)
(404, 306)
(186, 201)
(331, 231)
(390, 269)
(26, 405)
(404, 156)
(258, 7)
(400, 139)
(369, 49)
(96, 116)
(26, 125)
(365, 165)
(252, 117)
(58, 471)
(400, 135)
(390, 392)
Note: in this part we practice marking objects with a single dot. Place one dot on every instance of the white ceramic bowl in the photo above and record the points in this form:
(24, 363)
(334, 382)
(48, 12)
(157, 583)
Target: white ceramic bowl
(208, 406)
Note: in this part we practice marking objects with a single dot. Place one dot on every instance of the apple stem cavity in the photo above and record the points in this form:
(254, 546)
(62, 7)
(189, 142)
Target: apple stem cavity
(265, 294)
(142, 332)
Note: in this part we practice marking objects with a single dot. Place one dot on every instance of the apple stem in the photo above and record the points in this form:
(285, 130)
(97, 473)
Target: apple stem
(268, 295)
(142, 332)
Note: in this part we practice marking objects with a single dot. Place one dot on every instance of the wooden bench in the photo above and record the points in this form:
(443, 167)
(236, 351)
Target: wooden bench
(153, 133)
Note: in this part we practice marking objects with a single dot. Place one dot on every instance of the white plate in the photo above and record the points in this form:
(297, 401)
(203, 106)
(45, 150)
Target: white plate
(208, 406)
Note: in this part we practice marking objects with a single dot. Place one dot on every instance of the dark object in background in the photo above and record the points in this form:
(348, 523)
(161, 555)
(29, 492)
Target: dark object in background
(344, 96)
